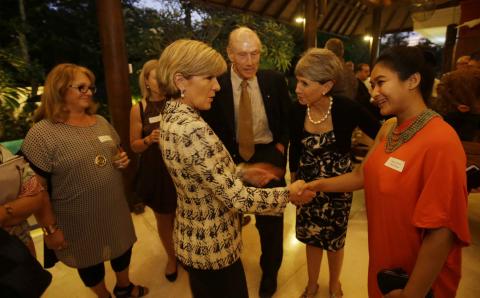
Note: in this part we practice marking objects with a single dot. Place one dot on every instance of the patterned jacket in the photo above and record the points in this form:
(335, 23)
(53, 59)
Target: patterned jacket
(207, 230)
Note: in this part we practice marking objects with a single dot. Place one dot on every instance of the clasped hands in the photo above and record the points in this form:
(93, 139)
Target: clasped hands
(300, 193)
(260, 174)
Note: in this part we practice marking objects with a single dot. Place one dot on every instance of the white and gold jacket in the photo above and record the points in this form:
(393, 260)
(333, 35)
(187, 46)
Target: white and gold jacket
(211, 197)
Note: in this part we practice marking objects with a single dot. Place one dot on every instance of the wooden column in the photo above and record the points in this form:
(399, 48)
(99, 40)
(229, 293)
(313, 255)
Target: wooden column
(310, 32)
(376, 32)
(114, 54)
(450, 40)
(468, 38)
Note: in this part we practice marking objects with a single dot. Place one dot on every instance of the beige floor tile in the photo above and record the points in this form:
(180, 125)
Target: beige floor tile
(149, 260)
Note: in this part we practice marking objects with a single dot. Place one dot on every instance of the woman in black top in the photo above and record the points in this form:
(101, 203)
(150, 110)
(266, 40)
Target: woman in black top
(154, 184)
(322, 126)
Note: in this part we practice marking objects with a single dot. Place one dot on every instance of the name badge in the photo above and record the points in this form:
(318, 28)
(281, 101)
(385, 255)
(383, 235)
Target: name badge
(105, 138)
(395, 164)
(155, 119)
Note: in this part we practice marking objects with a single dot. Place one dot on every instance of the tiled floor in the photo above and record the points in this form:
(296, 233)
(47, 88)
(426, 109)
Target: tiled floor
(149, 261)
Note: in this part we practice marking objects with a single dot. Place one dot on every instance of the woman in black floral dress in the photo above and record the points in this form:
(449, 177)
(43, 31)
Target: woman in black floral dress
(322, 126)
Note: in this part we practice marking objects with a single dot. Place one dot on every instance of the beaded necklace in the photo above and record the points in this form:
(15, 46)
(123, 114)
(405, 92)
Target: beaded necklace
(324, 117)
(397, 138)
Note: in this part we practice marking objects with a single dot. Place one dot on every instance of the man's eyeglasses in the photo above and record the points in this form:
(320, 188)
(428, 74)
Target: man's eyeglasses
(84, 88)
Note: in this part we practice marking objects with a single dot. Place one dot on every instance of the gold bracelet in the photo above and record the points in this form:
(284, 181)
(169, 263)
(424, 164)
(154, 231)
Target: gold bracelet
(50, 229)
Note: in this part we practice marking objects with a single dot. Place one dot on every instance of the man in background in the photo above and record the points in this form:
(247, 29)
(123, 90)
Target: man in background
(362, 73)
(348, 85)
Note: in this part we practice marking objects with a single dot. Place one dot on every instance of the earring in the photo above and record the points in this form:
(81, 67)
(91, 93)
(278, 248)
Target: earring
(182, 93)
(148, 86)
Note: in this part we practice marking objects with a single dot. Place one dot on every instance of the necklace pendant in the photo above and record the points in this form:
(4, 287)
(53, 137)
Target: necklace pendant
(100, 160)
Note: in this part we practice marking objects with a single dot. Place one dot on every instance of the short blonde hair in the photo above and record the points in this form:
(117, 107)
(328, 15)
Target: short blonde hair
(143, 77)
(320, 65)
(56, 85)
(188, 58)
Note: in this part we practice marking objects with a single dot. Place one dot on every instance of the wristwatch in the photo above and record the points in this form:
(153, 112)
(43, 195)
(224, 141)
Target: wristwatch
(50, 229)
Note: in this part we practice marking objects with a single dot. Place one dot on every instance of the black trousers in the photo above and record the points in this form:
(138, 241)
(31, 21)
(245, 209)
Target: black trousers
(270, 228)
(228, 282)
(93, 275)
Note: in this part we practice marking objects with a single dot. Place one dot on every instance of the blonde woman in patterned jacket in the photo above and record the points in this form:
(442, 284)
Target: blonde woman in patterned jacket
(211, 196)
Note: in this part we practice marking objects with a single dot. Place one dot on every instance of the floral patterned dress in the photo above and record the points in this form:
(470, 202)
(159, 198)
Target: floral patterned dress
(323, 221)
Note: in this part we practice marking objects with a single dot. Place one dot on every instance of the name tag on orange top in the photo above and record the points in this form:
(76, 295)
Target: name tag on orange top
(155, 119)
(105, 138)
(395, 164)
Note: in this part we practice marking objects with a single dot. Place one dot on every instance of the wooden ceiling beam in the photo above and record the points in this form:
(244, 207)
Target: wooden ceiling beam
(360, 18)
(337, 12)
(281, 9)
(333, 5)
(265, 7)
(247, 5)
(404, 21)
(348, 16)
(295, 11)
(388, 21)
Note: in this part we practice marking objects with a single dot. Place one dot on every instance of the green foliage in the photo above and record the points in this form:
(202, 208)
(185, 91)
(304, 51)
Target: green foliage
(59, 31)
(277, 39)
(14, 125)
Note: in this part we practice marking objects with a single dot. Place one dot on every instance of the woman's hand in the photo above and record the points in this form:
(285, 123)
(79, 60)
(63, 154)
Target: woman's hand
(56, 240)
(299, 193)
(153, 137)
(121, 161)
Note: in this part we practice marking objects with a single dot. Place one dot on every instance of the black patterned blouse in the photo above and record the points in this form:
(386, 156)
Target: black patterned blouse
(207, 231)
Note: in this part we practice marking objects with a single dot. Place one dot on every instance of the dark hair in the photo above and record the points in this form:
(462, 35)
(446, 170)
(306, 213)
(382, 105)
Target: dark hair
(475, 55)
(406, 61)
(359, 67)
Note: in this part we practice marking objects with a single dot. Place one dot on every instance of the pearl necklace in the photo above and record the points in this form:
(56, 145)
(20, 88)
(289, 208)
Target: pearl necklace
(324, 117)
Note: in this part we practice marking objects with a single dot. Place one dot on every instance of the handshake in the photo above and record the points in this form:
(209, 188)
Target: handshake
(300, 193)
(260, 174)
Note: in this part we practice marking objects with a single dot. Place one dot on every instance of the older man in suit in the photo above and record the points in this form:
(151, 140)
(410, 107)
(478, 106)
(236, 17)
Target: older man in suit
(250, 116)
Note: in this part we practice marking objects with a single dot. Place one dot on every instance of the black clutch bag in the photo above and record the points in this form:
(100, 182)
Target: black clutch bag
(393, 279)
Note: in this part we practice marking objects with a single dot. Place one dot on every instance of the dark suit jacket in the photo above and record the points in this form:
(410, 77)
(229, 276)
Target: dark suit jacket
(221, 117)
(363, 98)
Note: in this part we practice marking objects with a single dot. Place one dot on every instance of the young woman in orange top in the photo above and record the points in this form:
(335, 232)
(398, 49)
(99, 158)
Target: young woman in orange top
(414, 181)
